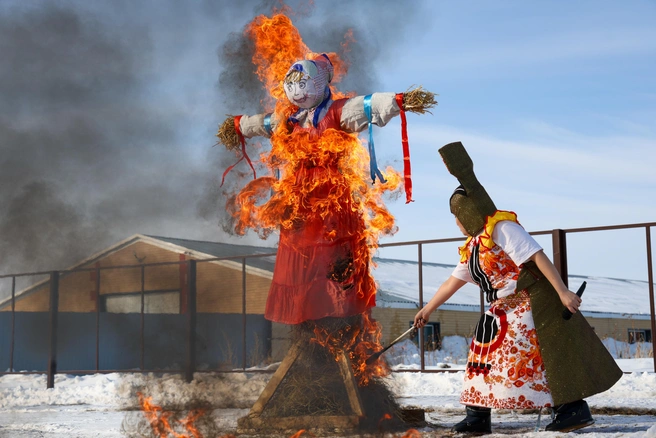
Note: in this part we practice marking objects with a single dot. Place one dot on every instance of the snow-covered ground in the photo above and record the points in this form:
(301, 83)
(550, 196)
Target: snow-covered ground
(107, 405)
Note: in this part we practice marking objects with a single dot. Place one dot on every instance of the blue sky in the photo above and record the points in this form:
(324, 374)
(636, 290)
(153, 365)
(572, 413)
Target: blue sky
(555, 102)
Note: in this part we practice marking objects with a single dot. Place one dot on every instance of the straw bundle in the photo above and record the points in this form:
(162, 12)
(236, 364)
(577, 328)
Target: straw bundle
(418, 100)
(227, 134)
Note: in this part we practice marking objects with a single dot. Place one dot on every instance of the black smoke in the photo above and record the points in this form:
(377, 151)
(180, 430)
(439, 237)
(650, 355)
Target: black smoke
(376, 31)
(108, 112)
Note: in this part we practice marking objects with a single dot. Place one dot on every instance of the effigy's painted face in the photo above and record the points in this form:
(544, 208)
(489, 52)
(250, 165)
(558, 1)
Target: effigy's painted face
(306, 82)
(303, 93)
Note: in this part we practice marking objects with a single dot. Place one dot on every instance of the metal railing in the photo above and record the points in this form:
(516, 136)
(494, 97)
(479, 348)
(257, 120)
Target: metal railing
(190, 307)
(559, 244)
(559, 259)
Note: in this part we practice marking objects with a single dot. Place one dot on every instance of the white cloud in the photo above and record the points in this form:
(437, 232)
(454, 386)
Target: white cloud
(558, 179)
(555, 151)
(514, 37)
(563, 47)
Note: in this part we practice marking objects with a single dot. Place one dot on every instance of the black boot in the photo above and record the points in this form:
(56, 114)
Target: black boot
(571, 416)
(477, 420)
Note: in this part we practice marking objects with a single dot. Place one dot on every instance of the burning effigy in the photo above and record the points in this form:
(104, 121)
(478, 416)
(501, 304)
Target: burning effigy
(324, 194)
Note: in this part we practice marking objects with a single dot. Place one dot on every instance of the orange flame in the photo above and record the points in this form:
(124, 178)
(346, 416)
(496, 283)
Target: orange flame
(384, 418)
(411, 433)
(342, 185)
(278, 44)
(300, 432)
(159, 420)
(359, 342)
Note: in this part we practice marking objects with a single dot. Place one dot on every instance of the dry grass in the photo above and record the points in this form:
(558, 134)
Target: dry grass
(227, 134)
(418, 100)
(312, 386)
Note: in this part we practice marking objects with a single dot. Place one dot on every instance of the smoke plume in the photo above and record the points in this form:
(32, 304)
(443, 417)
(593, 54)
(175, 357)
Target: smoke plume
(109, 110)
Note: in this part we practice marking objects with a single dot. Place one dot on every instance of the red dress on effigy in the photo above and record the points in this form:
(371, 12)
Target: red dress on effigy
(322, 263)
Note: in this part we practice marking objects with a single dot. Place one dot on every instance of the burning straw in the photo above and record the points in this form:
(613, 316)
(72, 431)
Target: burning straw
(313, 386)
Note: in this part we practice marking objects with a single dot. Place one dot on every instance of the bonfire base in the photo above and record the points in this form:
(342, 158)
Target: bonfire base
(414, 417)
(324, 425)
(314, 389)
(258, 420)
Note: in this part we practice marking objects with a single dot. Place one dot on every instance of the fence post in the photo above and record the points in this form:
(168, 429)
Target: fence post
(191, 321)
(13, 323)
(243, 312)
(54, 309)
(97, 317)
(142, 329)
(560, 253)
(650, 279)
(420, 334)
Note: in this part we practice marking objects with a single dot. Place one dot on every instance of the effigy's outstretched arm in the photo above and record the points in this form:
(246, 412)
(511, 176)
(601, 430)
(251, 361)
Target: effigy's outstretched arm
(384, 107)
(259, 125)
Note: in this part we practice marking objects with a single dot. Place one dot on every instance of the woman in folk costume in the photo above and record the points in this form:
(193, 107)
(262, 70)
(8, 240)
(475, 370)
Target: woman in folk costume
(524, 354)
(321, 202)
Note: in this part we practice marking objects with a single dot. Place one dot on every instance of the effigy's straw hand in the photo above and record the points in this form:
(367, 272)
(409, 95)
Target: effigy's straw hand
(418, 100)
(227, 134)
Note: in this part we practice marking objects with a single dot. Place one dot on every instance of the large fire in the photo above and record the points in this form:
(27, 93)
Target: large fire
(342, 184)
(337, 186)
(278, 44)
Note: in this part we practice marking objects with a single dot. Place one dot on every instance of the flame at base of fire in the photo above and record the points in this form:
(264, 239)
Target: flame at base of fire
(161, 420)
(190, 421)
(358, 337)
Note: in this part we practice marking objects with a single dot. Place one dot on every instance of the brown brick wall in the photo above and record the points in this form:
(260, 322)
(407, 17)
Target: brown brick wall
(219, 285)
(396, 321)
(219, 289)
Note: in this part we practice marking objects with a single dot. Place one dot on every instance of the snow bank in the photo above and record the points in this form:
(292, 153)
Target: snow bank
(119, 390)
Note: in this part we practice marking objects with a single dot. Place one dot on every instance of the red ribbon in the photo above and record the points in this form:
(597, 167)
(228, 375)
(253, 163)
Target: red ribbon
(406, 150)
(243, 152)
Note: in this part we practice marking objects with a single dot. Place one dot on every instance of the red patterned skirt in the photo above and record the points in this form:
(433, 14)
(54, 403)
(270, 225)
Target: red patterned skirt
(504, 366)
(322, 264)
